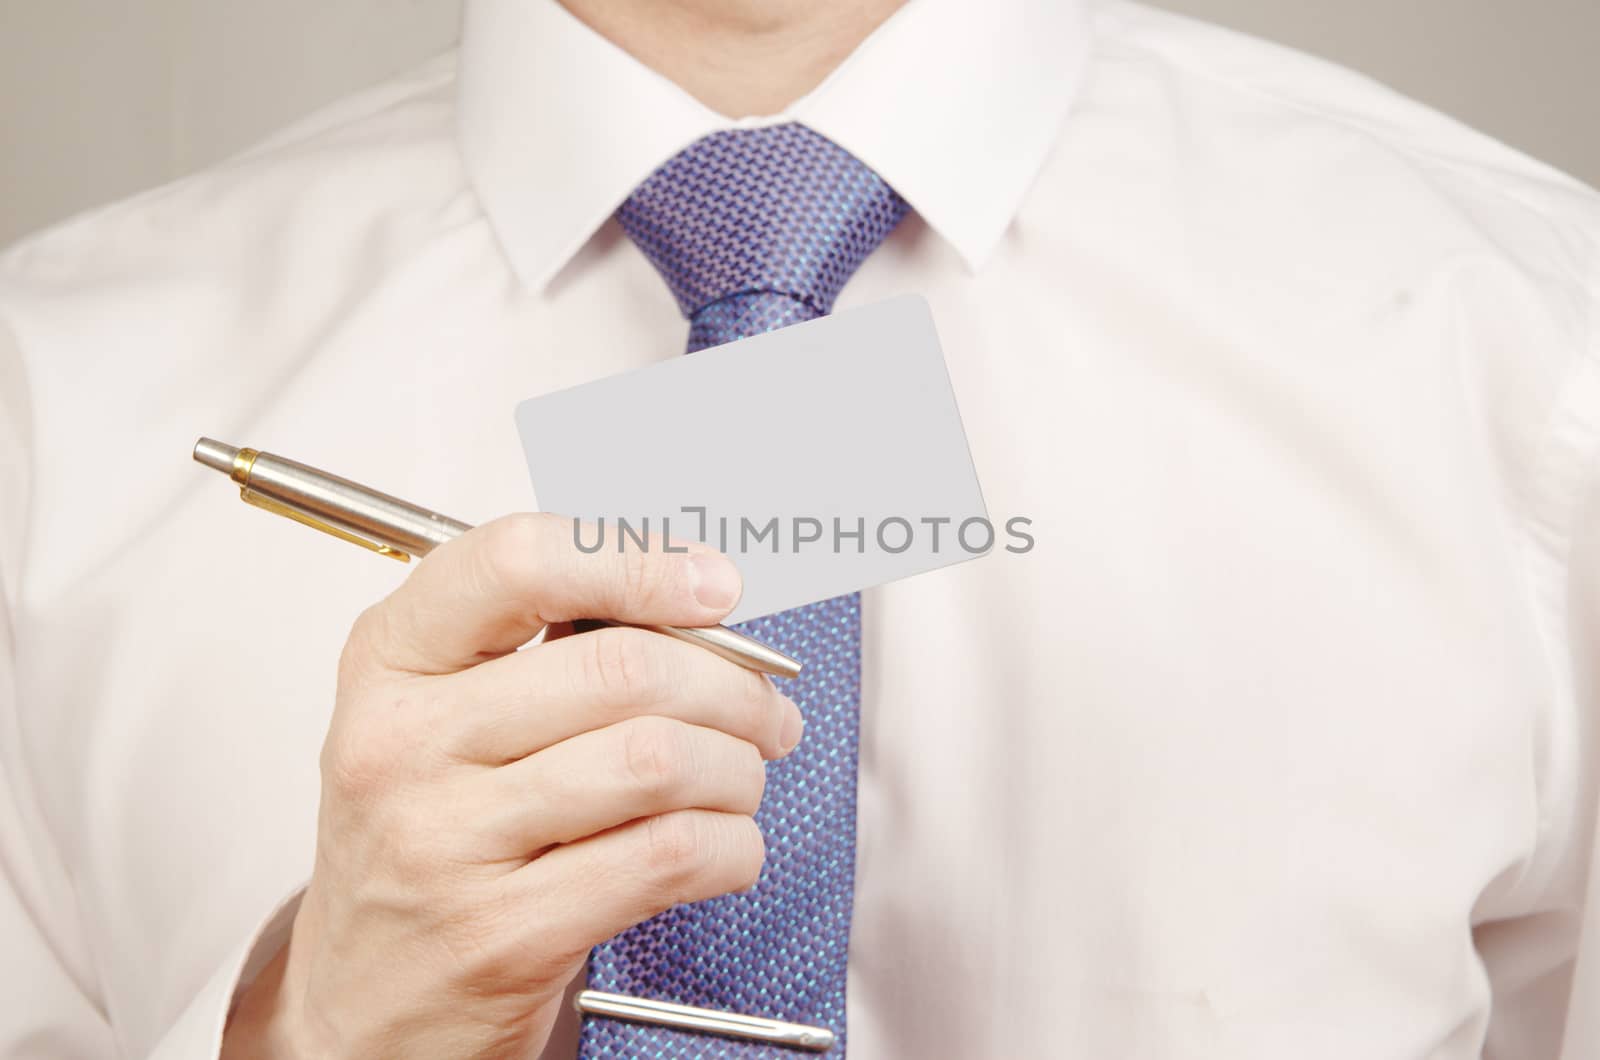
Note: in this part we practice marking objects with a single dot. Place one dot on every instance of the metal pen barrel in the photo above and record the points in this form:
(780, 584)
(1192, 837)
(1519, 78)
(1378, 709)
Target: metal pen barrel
(348, 505)
(390, 525)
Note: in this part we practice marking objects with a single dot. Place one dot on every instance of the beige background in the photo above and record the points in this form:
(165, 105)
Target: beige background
(100, 98)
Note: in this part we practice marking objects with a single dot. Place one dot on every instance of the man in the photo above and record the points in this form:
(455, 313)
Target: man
(1279, 742)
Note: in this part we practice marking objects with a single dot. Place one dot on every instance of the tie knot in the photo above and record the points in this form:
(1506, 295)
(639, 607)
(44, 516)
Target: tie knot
(746, 213)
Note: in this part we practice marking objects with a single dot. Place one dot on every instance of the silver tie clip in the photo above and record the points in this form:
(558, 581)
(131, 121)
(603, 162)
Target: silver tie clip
(704, 1020)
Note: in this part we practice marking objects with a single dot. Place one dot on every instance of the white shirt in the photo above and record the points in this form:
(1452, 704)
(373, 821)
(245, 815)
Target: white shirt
(1279, 743)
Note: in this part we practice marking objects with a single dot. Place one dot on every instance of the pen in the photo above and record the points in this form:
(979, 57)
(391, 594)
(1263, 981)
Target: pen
(400, 530)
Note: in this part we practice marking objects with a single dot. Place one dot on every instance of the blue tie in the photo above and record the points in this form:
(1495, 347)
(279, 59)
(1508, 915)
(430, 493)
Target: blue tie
(753, 230)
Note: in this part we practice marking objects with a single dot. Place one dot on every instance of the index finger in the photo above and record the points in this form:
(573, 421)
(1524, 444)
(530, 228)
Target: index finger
(494, 588)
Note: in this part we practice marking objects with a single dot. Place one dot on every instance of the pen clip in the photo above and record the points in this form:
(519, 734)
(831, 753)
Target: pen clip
(250, 496)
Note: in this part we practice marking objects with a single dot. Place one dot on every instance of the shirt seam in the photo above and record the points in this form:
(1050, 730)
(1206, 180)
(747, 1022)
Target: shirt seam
(1565, 476)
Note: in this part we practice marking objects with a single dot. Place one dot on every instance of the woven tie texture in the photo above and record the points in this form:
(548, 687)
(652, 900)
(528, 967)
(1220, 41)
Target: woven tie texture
(753, 230)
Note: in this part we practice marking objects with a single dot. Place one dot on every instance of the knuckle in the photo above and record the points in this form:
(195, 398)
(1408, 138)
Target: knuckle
(359, 659)
(623, 664)
(414, 857)
(645, 580)
(350, 767)
(372, 743)
(676, 846)
(511, 547)
(658, 754)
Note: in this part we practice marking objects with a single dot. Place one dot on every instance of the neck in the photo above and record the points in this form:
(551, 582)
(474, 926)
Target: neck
(741, 58)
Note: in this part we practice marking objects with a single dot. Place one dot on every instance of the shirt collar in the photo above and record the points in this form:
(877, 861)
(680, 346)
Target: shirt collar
(954, 103)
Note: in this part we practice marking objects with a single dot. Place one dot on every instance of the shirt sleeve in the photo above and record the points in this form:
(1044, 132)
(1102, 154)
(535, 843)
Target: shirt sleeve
(1576, 465)
(51, 1002)
(1581, 1038)
(197, 1035)
(1540, 948)
(50, 1007)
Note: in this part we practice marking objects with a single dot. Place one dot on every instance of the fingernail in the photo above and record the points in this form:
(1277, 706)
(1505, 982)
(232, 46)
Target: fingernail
(715, 579)
(793, 726)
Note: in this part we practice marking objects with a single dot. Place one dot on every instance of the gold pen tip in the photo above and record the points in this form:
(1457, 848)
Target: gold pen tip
(216, 455)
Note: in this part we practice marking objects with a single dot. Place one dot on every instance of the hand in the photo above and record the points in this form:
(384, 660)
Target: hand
(489, 815)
